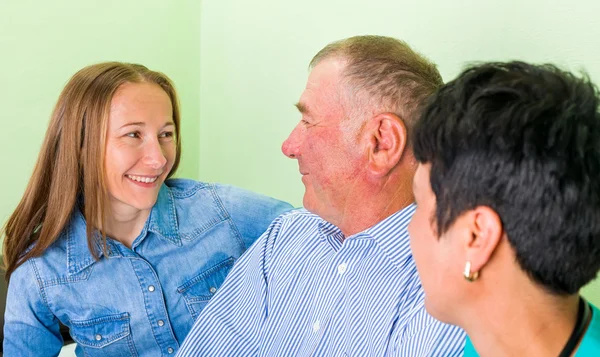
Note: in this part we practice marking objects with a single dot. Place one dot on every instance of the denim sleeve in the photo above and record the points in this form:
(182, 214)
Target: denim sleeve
(30, 328)
(429, 337)
(231, 323)
(251, 212)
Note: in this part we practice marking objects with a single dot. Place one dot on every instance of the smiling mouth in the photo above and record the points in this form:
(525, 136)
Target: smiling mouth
(143, 179)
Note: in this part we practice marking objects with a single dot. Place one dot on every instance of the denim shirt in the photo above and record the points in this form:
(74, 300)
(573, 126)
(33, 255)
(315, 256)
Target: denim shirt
(140, 301)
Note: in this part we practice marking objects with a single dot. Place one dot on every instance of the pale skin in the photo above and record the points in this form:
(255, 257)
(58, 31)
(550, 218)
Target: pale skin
(353, 183)
(140, 152)
(504, 312)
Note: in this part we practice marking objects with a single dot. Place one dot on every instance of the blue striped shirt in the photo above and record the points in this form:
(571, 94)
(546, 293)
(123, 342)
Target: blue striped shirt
(304, 290)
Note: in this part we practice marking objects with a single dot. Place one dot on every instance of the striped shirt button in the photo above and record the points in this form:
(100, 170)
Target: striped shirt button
(342, 268)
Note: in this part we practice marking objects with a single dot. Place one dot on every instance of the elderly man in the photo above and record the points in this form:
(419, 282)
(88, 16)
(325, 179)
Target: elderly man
(338, 278)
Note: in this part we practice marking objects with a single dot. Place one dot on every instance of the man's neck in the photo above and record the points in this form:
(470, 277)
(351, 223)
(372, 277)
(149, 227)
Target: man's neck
(525, 322)
(377, 203)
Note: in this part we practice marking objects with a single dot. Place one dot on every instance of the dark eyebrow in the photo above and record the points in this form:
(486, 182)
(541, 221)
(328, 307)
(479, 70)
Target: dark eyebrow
(302, 108)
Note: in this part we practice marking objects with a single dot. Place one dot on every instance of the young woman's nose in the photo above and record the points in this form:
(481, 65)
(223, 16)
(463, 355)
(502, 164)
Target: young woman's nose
(154, 155)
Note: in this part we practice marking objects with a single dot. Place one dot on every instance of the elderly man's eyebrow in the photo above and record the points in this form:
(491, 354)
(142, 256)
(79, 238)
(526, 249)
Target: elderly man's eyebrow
(302, 108)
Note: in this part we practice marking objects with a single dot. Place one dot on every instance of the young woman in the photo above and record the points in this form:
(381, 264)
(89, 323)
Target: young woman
(507, 226)
(103, 241)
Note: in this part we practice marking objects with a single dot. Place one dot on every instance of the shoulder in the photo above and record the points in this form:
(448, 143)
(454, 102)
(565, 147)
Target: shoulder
(236, 197)
(201, 205)
(251, 212)
(31, 277)
(53, 262)
(430, 336)
(24, 275)
(590, 345)
(469, 349)
(297, 218)
(292, 231)
(182, 188)
(186, 190)
(187, 196)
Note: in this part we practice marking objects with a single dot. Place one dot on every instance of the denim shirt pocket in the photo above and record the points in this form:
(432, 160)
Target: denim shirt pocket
(201, 288)
(104, 336)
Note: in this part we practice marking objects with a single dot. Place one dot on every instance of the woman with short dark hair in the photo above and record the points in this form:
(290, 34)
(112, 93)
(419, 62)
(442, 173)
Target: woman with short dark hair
(507, 226)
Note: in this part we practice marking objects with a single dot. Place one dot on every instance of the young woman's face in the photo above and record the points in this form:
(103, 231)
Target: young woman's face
(140, 146)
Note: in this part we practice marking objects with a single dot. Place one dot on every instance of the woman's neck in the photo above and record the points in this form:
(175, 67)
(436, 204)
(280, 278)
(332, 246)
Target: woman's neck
(522, 322)
(125, 224)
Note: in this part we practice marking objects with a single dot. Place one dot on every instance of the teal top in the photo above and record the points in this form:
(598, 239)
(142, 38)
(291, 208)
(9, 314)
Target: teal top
(589, 347)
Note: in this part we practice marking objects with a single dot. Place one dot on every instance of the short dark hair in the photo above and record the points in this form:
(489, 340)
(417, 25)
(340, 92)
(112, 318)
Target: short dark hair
(523, 140)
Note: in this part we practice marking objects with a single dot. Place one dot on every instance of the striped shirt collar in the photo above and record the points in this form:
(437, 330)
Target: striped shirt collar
(390, 234)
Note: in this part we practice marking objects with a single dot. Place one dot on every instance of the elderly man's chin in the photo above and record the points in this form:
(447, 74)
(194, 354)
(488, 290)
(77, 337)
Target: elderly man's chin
(309, 201)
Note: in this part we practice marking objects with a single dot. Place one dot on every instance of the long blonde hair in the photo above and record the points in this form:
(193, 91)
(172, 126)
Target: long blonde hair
(70, 167)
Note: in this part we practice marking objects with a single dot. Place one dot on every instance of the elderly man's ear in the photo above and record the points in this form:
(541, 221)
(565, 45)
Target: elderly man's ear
(387, 137)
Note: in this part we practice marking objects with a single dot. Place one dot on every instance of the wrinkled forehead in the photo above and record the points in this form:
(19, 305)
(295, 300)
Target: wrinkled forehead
(322, 95)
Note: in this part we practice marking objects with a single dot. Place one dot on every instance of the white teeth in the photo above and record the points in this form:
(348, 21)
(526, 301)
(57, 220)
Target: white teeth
(142, 179)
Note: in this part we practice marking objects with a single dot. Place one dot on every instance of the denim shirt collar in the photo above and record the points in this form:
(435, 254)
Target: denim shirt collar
(162, 221)
(163, 217)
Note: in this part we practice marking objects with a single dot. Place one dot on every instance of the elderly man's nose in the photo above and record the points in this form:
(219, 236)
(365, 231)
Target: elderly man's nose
(291, 145)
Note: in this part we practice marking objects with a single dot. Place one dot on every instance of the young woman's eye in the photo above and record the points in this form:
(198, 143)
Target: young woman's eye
(166, 135)
(133, 134)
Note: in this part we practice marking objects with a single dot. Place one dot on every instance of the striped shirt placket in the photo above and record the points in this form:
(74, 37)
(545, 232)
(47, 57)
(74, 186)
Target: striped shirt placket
(342, 258)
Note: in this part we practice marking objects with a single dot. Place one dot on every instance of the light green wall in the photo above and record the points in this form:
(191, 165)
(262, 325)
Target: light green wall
(253, 65)
(43, 43)
(255, 56)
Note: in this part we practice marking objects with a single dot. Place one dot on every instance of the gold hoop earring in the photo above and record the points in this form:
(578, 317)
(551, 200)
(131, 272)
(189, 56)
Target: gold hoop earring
(470, 277)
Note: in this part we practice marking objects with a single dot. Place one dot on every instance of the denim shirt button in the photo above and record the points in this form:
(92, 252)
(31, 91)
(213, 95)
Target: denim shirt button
(98, 337)
(151, 288)
(213, 290)
(161, 323)
(170, 350)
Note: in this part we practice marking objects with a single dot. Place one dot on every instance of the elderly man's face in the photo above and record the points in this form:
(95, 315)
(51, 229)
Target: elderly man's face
(330, 165)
